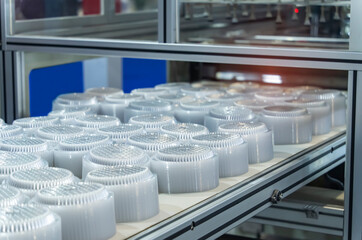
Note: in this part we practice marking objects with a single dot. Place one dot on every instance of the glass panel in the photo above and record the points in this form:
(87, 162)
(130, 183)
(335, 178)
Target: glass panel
(291, 23)
(100, 19)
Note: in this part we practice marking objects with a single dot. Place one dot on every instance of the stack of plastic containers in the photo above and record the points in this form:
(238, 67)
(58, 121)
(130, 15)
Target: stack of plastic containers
(146, 107)
(10, 196)
(120, 133)
(194, 111)
(86, 210)
(152, 142)
(67, 116)
(31, 124)
(186, 168)
(173, 87)
(149, 93)
(103, 92)
(152, 122)
(135, 191)
(94, 122)
(255, 105)
(10, 131)
(258, 137)
(231, 150)
(184, 131)
(114, 155)
(75, 100)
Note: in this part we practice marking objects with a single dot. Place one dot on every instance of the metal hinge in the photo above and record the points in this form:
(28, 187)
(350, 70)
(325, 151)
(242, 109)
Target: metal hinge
(276, 197)
(311, 211)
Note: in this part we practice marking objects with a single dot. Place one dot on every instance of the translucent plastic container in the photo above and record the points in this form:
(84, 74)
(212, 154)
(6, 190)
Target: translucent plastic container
(194, 111)
(224, 98)
(11, 162)
(10, 131)
(28, 145)
(135, 191)
(184, 131)
(103, 92)
(120, 133)
(10, 196)
(185, 169)
(86, 210)
(115, 104)
(244, 85)
(31, 124)
(152, 142)
(273, 97)
(70, 151)
(113, 156)
(297, 90)
(320, 111)
(152, 122)
(67, 116)
(231, 150)
(30, 181)
(92, 123)
(175, 99)
(199, 92)
(258, 137)
(22, 222)
(290, 125)
(149, 93)
(246, 93)
(54, 134)
(336, 101)
(173, 87)
(221, 115)
(75, 100)
(147, 107)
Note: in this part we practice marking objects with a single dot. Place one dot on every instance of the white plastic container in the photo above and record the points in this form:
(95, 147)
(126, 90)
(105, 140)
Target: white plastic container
(54, 134)
(22, 222)
(290, 125)
(221, 115)
(152, 122)
(28, 145)
(10, 196)
(92, 123)
(75, 100)
(70, 151)
(30, 181)
(184, 131)
(114, 155)
(172, 87)
(146, 107)
(103, 92)
(231, 150)
(152, 142)
(120, 133)
(224, 98)
(86, 210)
(31, 124)
(273, 97)
(115, 104)
(258, 137)
(199, 92)
(255, 105)
(67, 116)
(10, 131)
(149, 93)
(185, 169)
(135, 191)
(336, 101)
(194, 111)
(320, 112)
(11, 162)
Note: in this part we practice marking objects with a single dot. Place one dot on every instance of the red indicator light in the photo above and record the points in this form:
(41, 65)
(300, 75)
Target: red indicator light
(296, 10)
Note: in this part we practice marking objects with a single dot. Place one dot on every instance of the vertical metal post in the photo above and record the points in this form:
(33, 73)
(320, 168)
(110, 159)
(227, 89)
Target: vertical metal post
(8, 67)
(161, 21)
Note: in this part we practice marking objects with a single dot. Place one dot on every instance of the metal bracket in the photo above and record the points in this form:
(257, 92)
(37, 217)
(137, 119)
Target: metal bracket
(276, 197)
(311, 211)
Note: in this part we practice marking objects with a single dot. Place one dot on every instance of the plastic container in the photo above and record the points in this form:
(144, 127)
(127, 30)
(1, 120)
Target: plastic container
(86, 210)
(246, 93)
(135, 191)
(10, 131)
(231, 150)
(149, 93)
(22, 222)
(244, 85)
(194, 111)
(67, 116)
(274, 98)
(152, 142)
(54, 134)
(115, 104)
(175, 99)
(172, 87)
(75, 100)
(199, 92)
(186, 169)
(120, 133)
(113, 156)
(103, 92)
(320, 112)
(152, 122)
(10, 196)
(258, 137)
(28, 145)
(92, 123)
(31, 124)
(30, 181)
(11, 162)
(146, 107)
(224, 98)
(221, 115)
(334, 99)
(255, 105)
(184, 131)
(70, 151)
(290, 125)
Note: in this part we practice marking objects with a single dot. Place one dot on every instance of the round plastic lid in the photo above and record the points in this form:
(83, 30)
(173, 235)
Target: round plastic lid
(271, 96)
(185, 153)
(119, 175)
(11, 162)
(96, 121)
(151, 106)
(209, 84)
(223, 97)
(70, 113)
(10, 131)
(35, 122)
(24, 144)
(174, 97)
(242, 91)
(103, 91)
(252, 104)
(152, 141)
(184, 131)
(123, 98)
(9, 196)
(122, 131)
(321, 94)
(149, 91)
(199, 91)
(199, 105)
(172, 85)
(35, 179)
(83, 143)
(25, 218)
(218, 139)
(151, 121)
(306, 103)
(244, 128)
(76, 99)
(232, 113)
(58, 133)
(119, 154)
(284, 111)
